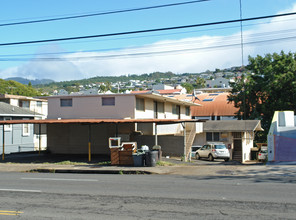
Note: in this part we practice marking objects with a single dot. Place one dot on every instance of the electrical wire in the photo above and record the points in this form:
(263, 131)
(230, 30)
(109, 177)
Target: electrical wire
(183, 43)
(155, 53)
(101, 13)
(147, 31)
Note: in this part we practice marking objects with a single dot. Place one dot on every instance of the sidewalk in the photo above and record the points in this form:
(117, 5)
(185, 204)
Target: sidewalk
(173, 166)
(163, 170)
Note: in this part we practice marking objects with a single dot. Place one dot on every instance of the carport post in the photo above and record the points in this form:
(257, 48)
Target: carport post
(3, 144)
(116, 129)
(89, 143)
(156, 141)
(39, 138)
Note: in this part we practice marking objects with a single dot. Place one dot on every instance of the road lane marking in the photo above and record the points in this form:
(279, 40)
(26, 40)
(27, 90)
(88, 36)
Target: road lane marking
(20, 190)
(5, 212)
(59, 179)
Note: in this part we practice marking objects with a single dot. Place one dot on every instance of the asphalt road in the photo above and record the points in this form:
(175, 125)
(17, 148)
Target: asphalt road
(91, 196)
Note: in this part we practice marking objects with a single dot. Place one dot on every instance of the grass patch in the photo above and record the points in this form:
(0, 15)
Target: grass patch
(68, 162)
(164, 163)
(105, 163)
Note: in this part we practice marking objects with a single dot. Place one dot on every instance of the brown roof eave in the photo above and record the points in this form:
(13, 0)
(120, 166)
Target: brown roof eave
(97, 121)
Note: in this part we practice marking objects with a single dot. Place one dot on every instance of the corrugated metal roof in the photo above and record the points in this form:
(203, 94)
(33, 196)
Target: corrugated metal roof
(97, 121)
(7, 109)
(161, 91)
(212, 104)
(232, 126)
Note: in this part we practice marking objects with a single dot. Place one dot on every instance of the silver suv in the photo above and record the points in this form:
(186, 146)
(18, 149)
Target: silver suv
(213, 150)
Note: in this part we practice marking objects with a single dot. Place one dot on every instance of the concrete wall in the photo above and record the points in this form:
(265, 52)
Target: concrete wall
(73, 138)
(170, 145)
(91, 107)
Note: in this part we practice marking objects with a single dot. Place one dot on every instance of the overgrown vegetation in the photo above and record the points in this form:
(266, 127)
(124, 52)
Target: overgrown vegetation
(15, 88)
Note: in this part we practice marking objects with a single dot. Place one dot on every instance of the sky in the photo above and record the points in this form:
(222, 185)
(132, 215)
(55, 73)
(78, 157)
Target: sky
(187, 50)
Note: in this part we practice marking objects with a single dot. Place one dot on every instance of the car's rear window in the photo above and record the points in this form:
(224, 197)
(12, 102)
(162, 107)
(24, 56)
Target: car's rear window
(220, 146)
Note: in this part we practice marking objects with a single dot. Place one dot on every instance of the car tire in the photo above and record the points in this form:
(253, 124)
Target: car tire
(226, 160)
(197, 156)
(211, 158)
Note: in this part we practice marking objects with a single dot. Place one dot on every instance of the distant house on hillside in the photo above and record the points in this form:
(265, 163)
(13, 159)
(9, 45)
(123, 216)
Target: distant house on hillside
(219, 82)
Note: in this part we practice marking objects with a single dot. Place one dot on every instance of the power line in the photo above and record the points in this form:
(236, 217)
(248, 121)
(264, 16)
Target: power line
(161, 45)
(158, 53)
(146, 31)
(101, 13)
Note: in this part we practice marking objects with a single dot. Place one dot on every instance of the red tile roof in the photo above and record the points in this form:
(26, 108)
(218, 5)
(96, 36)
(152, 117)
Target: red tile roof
(212, 104)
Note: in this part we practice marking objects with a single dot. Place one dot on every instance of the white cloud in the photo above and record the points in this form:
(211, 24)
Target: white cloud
(194, 54)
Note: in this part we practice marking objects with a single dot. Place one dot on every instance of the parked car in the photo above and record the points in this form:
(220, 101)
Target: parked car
(262, 155)
(194, 149)
(213, 150)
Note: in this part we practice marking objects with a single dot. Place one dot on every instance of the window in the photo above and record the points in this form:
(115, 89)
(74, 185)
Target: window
(187, 111)
(108, 101)
(7, 127)
(39, 104)
(213, 136)
(216, 136)
(176, 109)
(160, 107)
(24, 104)
(26, 128)
(209, 136)
(140, 104)
(66, 103)
(237, 135)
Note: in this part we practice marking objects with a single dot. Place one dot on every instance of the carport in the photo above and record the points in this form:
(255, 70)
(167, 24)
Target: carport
(91, 123)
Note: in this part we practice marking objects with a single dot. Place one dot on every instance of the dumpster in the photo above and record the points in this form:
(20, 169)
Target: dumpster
(126, 153)
(151, 158)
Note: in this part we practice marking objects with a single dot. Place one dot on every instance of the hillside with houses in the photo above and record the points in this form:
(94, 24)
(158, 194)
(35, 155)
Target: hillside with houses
(125, 84)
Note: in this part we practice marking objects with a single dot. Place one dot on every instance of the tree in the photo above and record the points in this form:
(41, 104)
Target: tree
(188, 87)
(269, 85)
(200, 82)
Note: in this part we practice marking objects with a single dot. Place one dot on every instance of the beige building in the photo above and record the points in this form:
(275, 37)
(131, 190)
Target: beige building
(141, 117)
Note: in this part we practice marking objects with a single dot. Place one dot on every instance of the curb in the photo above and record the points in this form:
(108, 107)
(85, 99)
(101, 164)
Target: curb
(130, 172)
